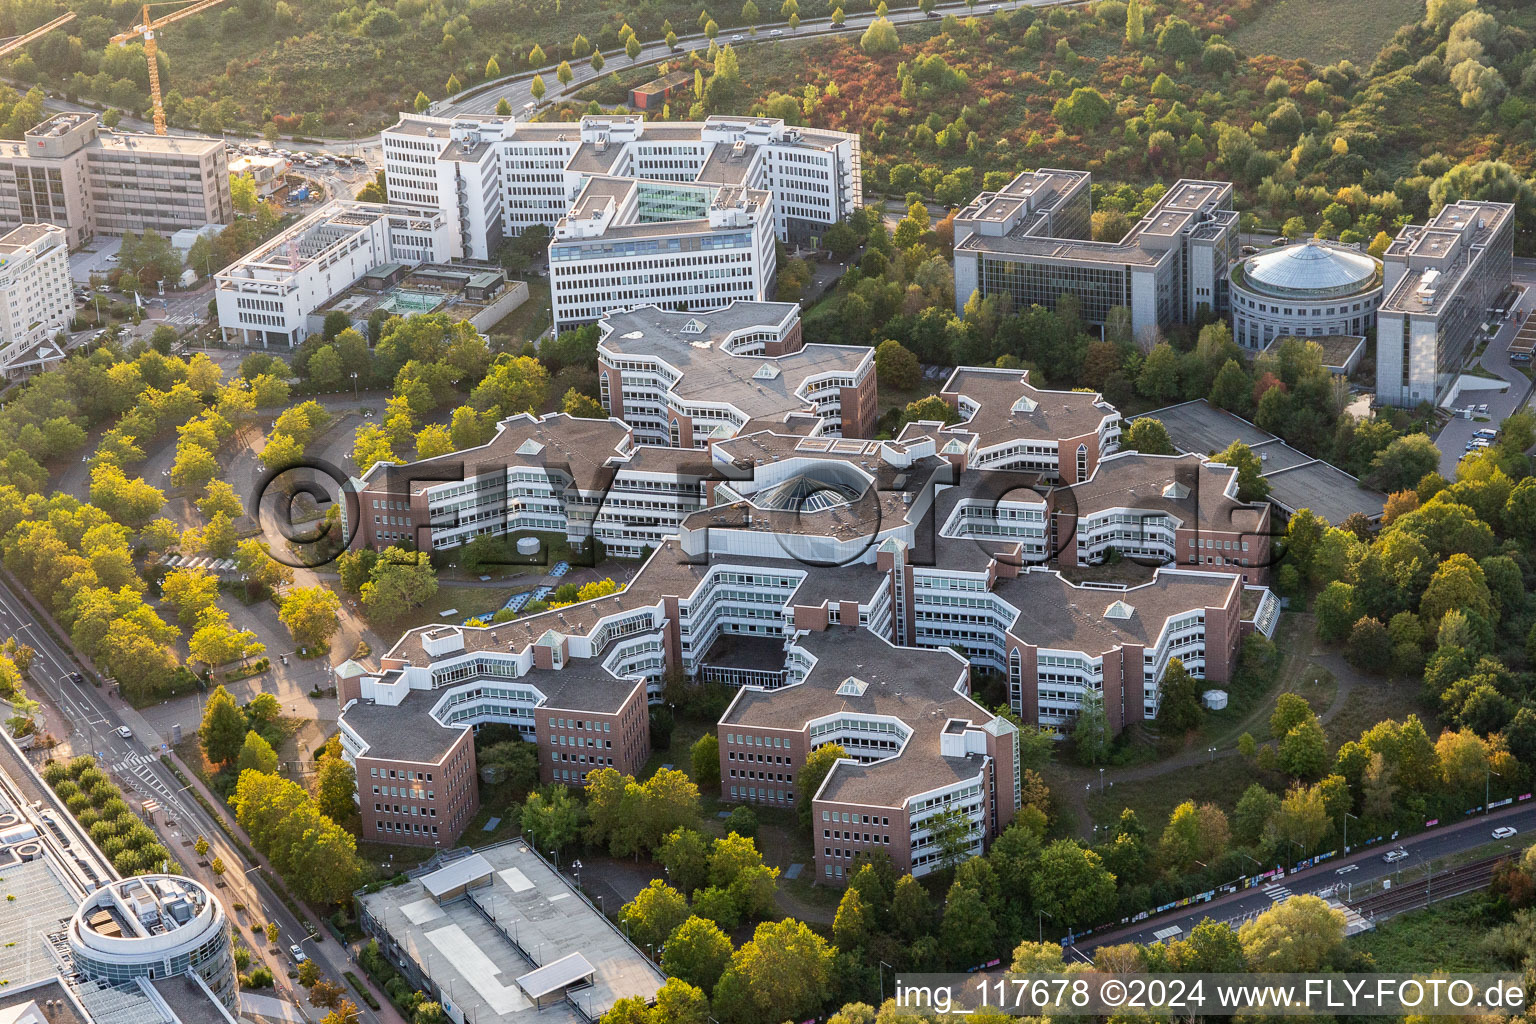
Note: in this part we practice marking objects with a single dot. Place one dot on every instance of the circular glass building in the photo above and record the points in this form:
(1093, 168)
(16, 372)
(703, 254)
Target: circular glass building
(1311, 289)
(154, 926)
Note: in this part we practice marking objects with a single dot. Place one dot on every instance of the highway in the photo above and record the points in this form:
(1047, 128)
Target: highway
(93, 720)
(1412, 873)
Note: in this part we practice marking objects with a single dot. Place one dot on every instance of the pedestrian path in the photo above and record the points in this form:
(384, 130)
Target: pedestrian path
(1277, 893)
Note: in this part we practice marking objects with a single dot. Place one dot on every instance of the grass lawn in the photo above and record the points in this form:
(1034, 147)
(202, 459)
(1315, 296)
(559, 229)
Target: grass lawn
(529, 320)
(1449, 936)
(679, 752)
(1310, 29)
(470, 602)
(1221, 783)
(1363, 708)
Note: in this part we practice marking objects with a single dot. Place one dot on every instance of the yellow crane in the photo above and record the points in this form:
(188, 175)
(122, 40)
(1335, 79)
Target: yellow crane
(17, 42)
(146, 32)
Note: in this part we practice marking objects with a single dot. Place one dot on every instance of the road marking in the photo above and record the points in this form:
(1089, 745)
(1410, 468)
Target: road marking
(1277, 893)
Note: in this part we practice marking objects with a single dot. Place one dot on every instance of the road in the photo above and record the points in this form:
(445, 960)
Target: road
(1453, 437)
(1369, 867)
(93, 719)
(517, 91)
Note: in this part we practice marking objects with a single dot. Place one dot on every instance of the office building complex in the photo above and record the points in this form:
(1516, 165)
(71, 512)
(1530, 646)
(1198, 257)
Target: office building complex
(685, 380)
(628, 243)
(822, 575)
(35, 298)
(1031, 242)
(268, 296)
(1439, 281)
(68, 172)
(493, 177)
(154, 926)
(1312, 289)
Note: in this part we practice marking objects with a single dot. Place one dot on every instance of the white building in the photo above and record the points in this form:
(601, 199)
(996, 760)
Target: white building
(1439, 280)
(35, 298)
(1312, 289)
(628, 243)
(267, 296)
(493, 177)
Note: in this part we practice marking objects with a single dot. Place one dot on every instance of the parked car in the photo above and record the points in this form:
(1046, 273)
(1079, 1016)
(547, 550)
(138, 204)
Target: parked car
(297, 954)
(1393, 856)
(1487, 432)
(1505, 832)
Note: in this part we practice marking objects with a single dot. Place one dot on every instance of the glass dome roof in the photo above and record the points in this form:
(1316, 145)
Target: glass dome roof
(1311, 269)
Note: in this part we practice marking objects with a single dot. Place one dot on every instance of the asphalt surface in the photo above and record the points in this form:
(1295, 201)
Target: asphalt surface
(1441, 841)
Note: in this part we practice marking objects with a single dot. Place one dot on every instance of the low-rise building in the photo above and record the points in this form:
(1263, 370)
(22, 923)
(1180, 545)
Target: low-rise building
(1032, 241)
(1312, 289)
(267, 297)
(1439, 281)
(68, 172)
(36, 302)
(684, 380)
(266, 171)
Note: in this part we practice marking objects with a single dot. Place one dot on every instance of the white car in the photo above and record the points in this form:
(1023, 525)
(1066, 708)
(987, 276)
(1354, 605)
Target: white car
(1393, 856)
(1505, 832)
(125, 732)
(297, 954)
(1347, 868)
(736, 38)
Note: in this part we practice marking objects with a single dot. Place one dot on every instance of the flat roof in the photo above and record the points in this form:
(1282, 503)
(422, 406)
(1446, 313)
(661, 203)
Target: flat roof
(567, 971)
(462, 872)
(492, 944)
(1296, 479)
(1011, 408)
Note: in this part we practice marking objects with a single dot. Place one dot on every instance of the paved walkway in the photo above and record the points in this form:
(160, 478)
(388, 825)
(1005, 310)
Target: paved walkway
(270, 1006)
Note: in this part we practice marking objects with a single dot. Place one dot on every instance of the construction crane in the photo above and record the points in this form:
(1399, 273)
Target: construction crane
(15, 43)
(146, 32)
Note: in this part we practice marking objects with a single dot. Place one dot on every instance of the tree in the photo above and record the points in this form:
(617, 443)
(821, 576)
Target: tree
(492, 69)
(911, 909)
(513, 385)
(1148, 436)
(536, 56)
(190, 592)
(256, 754)
(219, 496)
(564, 73)
(697, 952)
(1403, 463)
(895, 367)
(812, 774)
(1251, 484)
(503, 107)
(1159, 376)
(552, 818)
(879, 38)
(222, 732)
(1072, 884)
(400, 580)
(1232, 388)
(1370, 646)
(1193, 834)
(685, 855)
(1179, 709)
(653, 914)
(784, 972)
(1135, 24)
(421, 103)
(850, 925)
(538, 88)
(310, 615)
(335, 785)
(1304, 750)
(582, 406)
(1302, 934)
(632, 48)
(967, 931)
(705, 758)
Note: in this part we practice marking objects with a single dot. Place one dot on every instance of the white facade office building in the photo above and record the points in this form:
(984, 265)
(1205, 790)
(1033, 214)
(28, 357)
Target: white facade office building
(1032, 242)
(628, 243)
(1312, 289)
(1439, 280)
(266, 298)
(35, 298)
(493, 177)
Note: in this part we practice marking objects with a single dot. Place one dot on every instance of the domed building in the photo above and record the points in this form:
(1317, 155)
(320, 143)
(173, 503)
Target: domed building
(1311, 289)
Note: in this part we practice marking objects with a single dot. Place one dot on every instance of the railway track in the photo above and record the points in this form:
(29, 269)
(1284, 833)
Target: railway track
(1422, 891)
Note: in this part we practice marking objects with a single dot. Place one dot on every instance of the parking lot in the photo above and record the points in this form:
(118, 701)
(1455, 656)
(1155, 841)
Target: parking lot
(100, 257)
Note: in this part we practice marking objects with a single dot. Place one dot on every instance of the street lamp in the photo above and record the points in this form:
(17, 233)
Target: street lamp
(1040, 924)
(576, 867)
(354, 385)
(1213, 754)
(1488, 774)
(1347, 816)
(1101, 782)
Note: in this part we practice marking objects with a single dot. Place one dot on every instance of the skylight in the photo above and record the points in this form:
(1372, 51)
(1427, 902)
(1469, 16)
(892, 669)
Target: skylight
(1119, 610)
(694, 326)
(530, 447)
(852, 687)
(1025, 404)
(768, 371)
